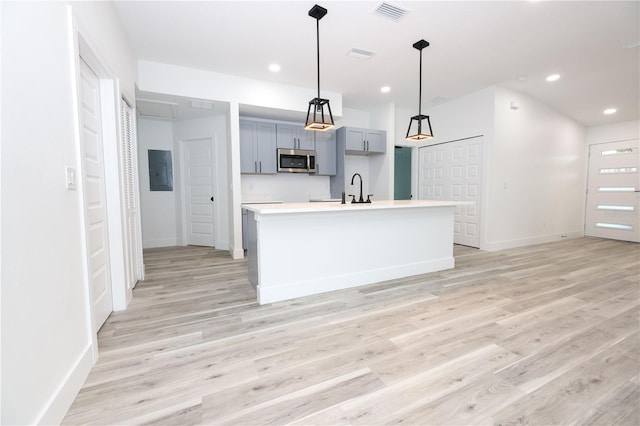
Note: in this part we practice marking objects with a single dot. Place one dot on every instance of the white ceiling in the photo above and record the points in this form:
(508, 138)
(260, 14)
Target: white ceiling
(474, 44)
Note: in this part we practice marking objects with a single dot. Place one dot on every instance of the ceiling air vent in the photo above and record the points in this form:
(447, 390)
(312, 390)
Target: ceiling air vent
(390, 11)
(157, 109)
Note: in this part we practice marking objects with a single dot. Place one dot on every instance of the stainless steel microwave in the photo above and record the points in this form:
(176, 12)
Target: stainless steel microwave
(296, 161)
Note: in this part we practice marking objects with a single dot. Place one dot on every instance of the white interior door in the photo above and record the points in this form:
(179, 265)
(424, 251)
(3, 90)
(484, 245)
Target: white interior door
(198, 190)
(613, 192)
(93, 176)
(452, 171)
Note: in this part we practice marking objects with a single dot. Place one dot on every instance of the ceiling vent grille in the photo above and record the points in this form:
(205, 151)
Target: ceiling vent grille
(157, 109)
(391, 11)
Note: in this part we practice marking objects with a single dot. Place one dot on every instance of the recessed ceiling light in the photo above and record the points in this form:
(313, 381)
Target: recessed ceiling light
(274, 67)
(385, 89)
(553, 77)
(610, 111)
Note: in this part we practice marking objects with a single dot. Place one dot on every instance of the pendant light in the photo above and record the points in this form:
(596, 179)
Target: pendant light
(317, 118)
(421, 131)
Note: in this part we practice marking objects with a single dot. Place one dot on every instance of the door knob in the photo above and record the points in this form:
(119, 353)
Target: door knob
(211, 198)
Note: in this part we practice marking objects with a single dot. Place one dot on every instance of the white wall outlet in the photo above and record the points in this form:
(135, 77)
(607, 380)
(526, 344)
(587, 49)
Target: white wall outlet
(70, 178)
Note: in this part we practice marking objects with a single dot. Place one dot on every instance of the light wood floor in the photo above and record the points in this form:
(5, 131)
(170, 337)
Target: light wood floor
(547, 334)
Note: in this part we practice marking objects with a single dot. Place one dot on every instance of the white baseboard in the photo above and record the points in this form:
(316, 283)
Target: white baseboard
(237, 254)
(542, 239)
(164, 242)
(68, 389)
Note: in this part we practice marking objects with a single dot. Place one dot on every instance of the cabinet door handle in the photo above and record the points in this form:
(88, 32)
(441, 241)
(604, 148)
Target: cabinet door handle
(255, 167)
(260, 166)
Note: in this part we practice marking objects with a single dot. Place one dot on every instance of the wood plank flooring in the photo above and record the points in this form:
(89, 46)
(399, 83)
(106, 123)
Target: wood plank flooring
(540, 335)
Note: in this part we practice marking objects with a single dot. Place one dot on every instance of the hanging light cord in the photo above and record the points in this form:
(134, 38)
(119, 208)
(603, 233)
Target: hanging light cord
(318, 51)
(420, 86)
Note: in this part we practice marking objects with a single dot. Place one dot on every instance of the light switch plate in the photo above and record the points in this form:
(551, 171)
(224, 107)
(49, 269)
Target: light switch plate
(70, 178)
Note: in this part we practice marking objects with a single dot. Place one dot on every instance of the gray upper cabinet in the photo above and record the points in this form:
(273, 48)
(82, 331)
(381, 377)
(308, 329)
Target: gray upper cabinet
(325, 153)
(294, 137)
(257, 147)
(359, 141)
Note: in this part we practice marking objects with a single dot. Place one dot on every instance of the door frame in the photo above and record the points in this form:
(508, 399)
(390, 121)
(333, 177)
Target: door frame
(138, 261)
(110, 99)
(181, 163)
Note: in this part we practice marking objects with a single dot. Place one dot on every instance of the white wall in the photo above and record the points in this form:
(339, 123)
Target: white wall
(534, 171)
(162, 221)
(382, 166)
(464, 117)
(157, 208)
(287, 187)
(46, 332)
(537, 176)
(622, 131)
(183, 81)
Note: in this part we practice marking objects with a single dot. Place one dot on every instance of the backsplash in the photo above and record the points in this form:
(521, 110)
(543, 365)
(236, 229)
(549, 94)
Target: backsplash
(287, 187)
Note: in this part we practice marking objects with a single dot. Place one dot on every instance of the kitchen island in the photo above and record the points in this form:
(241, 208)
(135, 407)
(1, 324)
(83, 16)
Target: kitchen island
(300, 249)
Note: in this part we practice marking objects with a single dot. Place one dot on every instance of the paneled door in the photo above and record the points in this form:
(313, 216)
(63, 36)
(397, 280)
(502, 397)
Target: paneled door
(613, 191)
(95, 209)
(198, 187)
(452, 171)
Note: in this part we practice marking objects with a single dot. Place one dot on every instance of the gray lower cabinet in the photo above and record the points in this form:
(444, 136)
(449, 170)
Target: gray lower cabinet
(290, 136)
(325, 153)
(257, 147)
(359, 141)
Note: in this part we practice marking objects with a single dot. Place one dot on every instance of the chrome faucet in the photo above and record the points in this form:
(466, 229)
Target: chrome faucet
(361, 199)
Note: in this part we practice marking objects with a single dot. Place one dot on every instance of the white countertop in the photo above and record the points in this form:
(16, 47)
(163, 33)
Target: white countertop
(287, 208)
(262, 202)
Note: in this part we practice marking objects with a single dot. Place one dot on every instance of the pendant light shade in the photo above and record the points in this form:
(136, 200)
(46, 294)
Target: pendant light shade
(420, 125)
(318, 117)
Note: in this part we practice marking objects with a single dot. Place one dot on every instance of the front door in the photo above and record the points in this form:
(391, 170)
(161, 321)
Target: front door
(198, 187)
(95, 208)
(613, 191)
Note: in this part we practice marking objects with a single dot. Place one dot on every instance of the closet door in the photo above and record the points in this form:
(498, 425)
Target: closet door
(133, 239)
(453, 171)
